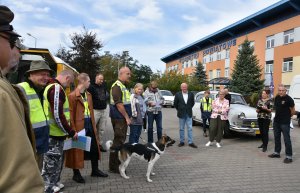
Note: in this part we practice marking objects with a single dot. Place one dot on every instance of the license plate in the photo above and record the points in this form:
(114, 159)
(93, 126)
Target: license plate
(257, 132)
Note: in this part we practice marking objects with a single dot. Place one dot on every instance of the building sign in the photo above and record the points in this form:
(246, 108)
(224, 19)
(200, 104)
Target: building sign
(220, 47)
(189, 57)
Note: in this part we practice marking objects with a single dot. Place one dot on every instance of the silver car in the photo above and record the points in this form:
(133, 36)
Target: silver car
(242, 118)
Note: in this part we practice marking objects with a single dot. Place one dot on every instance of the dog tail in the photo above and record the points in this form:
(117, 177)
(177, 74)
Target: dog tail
(108, 144)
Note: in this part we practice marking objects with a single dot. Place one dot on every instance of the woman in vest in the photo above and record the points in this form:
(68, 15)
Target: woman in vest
(82, 117)
(205, 107)
(264, 115)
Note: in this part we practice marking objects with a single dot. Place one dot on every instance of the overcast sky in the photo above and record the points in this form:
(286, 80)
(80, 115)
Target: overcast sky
(148, 29)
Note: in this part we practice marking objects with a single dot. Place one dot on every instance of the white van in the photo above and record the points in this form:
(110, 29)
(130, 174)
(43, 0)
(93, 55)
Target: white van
(294, 92)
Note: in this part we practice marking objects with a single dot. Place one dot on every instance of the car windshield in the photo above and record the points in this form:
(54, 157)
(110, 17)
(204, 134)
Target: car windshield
(166, 93)
(237, 99)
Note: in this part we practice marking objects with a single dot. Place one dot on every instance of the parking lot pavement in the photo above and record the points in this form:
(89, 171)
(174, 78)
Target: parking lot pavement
(237, 167)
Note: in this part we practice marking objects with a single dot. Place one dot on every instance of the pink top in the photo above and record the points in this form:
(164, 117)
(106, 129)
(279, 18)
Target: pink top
(217, 106)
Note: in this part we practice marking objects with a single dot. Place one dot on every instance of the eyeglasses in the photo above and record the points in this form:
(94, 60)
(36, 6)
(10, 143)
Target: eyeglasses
(11, 39)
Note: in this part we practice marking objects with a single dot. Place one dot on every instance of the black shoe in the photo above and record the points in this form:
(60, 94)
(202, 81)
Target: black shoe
(274, 155)
(193, 145)
(98, 173)
(287, 160)
(180, 144)
(261, 146)
(264, 149)
(78, 178)
(102, 149)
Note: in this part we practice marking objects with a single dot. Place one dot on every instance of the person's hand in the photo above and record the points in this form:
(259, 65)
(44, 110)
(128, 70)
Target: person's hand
(75, 137)
(128, 121)
(257, 110)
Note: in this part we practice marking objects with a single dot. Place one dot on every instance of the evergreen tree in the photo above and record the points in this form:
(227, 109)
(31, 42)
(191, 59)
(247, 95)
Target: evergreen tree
(200, 75)
(246, 75)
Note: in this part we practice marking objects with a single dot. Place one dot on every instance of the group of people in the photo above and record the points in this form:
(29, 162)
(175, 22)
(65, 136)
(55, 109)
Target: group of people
(37, 116)
(216, 113)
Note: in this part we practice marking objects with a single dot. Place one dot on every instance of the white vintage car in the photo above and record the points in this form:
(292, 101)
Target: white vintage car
(168, 98)
(242, 118)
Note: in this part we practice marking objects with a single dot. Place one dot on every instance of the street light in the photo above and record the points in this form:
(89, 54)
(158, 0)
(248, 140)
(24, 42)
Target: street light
(35, 39)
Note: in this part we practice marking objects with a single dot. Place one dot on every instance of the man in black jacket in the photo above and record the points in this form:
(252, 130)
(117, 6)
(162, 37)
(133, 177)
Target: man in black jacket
(100, 97)
(184, 102)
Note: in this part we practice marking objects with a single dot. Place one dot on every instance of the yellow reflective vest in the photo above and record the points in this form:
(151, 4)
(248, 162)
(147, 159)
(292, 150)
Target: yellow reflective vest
(206, 106)
(37, 118)
(56, 128)
(114, 112)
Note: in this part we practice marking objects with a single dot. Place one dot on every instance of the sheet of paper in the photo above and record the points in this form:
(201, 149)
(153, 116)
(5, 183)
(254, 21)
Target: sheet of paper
(82, 132)
(83, 143)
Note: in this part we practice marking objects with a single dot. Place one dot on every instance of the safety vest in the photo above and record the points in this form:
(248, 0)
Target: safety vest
(86, 106)
(56, 127)
(206, 106)
(114, 112)
(37, 115)
(37, 118)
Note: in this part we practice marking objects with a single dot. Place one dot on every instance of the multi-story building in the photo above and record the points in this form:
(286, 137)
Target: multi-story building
(274, 32)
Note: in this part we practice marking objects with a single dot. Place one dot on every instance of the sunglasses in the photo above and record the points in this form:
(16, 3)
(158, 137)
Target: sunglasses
(11, 39)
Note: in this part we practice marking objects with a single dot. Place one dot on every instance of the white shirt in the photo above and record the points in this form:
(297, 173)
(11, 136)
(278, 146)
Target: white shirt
(185, 97)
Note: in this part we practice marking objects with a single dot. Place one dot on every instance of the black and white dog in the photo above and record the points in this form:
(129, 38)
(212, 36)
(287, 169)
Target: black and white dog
(149, 152)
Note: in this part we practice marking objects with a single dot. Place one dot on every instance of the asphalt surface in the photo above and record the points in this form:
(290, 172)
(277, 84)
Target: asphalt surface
(237, 167)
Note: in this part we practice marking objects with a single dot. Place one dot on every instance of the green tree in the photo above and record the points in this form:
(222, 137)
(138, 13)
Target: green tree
(83, 53)
(200, 75)
(246, 75)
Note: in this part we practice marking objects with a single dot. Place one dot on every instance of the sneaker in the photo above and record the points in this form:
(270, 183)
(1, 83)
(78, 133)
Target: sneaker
(127, 134)
(154, 131)
(145, 130)
(264, 149)
(60, 185)
(55, 189)
(287, 160)
(274, 155)
(218, 145)
(208, 144)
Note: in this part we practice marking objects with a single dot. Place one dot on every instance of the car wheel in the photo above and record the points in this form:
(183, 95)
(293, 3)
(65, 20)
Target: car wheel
(227, 132)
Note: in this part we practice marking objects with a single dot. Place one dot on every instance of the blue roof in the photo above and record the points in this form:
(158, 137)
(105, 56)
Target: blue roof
(275, 13)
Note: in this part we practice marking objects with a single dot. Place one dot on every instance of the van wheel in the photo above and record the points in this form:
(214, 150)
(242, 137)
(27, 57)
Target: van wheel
(227, 132)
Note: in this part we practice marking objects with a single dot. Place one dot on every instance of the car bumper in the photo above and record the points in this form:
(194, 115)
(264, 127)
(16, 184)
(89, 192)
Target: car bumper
(168, 103)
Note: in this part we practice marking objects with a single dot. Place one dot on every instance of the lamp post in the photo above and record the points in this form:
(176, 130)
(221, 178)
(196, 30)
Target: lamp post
(35, 39)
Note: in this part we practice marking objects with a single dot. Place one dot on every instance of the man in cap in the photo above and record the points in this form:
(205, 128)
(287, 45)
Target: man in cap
(18, 169)
(33, 88)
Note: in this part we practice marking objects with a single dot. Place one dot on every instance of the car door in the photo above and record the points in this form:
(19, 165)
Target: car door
(196, 108)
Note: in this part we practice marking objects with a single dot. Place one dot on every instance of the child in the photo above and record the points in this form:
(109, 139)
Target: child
(138, 108)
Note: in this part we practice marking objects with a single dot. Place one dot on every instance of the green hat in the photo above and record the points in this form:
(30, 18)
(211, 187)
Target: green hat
(39, 65)
(6, 16)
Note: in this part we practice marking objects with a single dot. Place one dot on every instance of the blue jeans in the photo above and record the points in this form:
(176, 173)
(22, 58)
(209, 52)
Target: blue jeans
(158, 119)
(135, 133)
(285, 129)
(188, 122)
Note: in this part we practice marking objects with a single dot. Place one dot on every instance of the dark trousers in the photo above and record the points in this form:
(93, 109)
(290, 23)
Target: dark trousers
(135, 133)
(263, 125)
(205, 117)
(158, 119)
(285, 130)
(216, 128)
(145, 121)
(120, 130)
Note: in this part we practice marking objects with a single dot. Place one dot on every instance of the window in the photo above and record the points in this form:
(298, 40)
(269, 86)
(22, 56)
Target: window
(227, 53)
(211, 58)
(269, 66)
(210, 75)
(288, 36)
(287, 65)
(226, 72)
(218, 73)
(270, 42)
(218, 55)
(189, 64)
(195, 62)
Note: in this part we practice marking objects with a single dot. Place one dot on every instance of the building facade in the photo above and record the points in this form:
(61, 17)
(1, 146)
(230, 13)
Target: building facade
(274, 32)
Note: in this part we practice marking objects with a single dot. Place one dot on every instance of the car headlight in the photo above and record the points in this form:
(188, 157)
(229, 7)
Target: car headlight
(242, 116)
